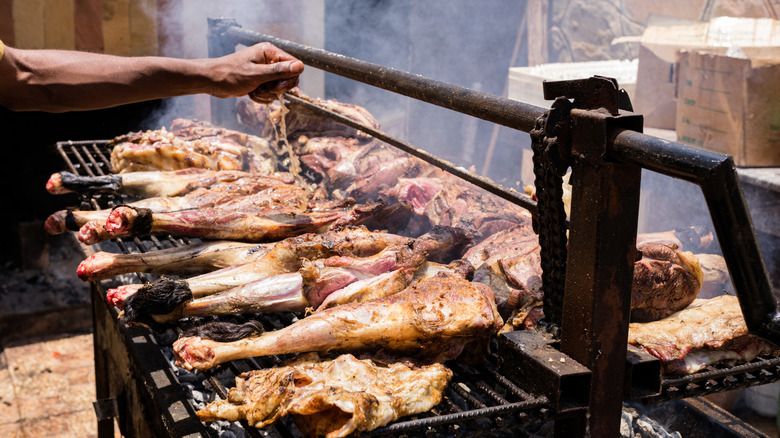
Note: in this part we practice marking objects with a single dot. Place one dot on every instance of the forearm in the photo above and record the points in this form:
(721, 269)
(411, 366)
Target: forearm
(55, 80)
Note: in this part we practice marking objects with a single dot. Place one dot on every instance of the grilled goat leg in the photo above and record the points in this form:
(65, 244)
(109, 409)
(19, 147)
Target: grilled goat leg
(320, 277)
(148, 184)
(189, 259)
(437, 318)
(237, 225)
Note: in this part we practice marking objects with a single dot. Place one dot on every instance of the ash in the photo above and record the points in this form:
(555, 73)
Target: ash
(52, 284)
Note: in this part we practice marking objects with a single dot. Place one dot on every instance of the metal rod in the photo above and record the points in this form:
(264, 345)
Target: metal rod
(717, 176)
(485, 106)
(510, 195)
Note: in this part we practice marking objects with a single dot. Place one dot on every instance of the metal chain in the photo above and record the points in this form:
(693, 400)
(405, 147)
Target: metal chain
(551, 220)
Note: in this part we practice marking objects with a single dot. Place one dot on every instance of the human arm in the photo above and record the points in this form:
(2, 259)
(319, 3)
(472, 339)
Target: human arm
(59, 80)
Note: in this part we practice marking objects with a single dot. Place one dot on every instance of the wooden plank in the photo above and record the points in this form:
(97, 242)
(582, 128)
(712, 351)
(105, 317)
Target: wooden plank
(538, 16)
(58, 24)
(7, 22)
(28, 19)
(88, 19)
(143, 27)
(116, 27)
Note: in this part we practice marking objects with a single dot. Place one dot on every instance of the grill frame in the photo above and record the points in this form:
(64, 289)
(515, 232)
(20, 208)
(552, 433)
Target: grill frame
(157, 402)
(629, 149)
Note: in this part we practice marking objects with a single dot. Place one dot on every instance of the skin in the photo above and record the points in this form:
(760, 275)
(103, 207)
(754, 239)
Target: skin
(60, 80)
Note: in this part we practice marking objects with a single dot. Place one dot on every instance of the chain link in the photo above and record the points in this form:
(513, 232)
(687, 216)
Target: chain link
(551, 220)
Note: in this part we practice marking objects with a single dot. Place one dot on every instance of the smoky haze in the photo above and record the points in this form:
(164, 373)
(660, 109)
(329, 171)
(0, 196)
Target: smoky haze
(461, 42)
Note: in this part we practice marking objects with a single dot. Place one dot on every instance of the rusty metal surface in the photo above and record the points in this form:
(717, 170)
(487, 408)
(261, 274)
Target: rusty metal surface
(529, 359)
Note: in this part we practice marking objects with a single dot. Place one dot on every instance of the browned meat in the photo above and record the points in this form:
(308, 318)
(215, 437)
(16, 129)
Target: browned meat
(191, 144)
(289, 255)
(191, 259)
(254, 190)
(307, 288)
(332, 398)
(263, 226)
(437, 319)
(154, 183)
(261, 119)
(708, 331)
(665, 281)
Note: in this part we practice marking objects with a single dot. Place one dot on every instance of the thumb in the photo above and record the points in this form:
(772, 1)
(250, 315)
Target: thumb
(285, 69)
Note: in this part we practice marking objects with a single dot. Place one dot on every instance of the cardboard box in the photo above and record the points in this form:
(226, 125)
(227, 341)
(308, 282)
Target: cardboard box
(728, 101)
(655, 98)
(525, 83)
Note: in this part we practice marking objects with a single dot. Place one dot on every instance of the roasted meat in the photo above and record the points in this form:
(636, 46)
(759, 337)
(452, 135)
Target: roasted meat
(299, 120)
(436, 319)
(312, 284)
(290, 255)
(332, 398)
(191, 144)
(254, 190)
(273, 223)
(192, 259)
(665, 280)
(150, 184)
(708, 331)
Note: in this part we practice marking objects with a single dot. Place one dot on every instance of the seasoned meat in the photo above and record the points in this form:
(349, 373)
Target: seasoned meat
(437, 319)
(706, 332)
(332, 398)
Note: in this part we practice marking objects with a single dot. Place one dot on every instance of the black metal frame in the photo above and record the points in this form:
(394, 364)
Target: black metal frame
(606, 175)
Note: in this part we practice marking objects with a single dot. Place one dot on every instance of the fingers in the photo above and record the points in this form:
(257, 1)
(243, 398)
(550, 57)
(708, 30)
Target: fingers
(270, 91)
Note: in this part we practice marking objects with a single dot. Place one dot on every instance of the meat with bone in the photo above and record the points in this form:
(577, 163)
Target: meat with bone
(665, 280)
(708, 331)
(191, 144)
(332, 398)
(152, 183)
(437, 319)
(255, 190)
(289, 256)
(265, 226)
(299, 120)
(293, 292)
(192, 259)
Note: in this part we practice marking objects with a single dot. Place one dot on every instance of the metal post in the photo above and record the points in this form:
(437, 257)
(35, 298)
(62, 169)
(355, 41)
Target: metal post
(601, 255)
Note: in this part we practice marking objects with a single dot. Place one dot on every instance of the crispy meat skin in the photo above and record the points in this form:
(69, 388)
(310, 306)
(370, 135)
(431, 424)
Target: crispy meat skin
(706, 332)
(332, 398)
(436, 319)
(191, 144)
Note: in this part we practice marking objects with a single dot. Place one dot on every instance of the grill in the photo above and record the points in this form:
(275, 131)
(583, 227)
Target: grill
(137, 384)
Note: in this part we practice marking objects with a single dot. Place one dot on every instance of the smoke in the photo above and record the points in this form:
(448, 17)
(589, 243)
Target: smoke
(461, 42)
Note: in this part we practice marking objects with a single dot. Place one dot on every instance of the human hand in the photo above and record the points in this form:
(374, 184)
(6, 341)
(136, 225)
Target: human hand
(262, 71)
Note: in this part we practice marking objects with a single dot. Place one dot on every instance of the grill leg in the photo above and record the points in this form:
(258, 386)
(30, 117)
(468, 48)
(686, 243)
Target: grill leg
(105, 426)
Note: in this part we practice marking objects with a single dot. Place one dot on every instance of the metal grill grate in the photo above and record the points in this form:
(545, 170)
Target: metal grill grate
(478, 401)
